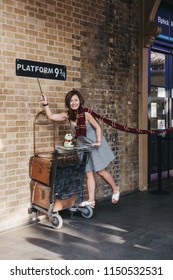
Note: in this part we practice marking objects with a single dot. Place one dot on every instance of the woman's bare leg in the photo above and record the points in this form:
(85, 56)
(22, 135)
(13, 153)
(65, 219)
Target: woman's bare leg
(107, 177)
(91, 185)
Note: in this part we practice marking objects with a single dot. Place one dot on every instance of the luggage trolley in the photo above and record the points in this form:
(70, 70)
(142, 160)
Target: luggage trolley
(57, 179)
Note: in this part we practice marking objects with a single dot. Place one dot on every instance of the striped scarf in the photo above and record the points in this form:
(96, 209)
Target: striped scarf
(81, 125)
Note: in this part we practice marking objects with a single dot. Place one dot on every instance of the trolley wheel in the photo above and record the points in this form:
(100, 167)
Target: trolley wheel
(56, 221)
(87, 212)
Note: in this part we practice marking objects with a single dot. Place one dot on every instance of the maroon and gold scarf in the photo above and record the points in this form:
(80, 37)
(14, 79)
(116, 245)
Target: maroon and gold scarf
(81, 126)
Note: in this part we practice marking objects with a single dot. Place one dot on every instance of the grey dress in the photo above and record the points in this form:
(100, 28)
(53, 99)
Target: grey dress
(101, 156)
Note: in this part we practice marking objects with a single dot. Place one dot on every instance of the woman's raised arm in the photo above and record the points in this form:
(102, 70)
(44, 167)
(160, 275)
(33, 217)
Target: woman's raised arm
(55, 117)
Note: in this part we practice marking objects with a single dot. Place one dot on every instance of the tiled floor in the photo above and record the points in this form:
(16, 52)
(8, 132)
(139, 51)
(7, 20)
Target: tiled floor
(139, 227)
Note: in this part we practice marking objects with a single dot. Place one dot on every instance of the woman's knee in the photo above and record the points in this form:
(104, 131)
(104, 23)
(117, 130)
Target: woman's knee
(89, 174)
(101, 172)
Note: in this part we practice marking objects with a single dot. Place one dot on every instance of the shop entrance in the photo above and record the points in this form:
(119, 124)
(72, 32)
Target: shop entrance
(160, 112)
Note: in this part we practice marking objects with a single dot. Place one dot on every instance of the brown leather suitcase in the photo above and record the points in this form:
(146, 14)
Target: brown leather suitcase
(40, 194)
(40, 167)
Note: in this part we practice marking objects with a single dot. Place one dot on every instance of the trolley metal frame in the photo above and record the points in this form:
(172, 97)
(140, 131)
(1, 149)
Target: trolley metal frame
(67, 178)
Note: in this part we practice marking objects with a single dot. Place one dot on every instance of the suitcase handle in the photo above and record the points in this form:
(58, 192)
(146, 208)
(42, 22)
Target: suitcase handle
(39, 168)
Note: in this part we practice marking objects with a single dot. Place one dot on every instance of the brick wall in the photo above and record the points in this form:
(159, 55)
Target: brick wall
(98, 42)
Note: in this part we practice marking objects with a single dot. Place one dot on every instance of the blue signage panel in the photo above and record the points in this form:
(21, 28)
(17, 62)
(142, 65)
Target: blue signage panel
(164, 18)
(40, 70)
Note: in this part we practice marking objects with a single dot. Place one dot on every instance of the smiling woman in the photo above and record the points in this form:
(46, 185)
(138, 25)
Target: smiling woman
(87, 132)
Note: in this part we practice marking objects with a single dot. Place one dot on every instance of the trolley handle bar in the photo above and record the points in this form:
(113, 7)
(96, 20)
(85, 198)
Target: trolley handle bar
(86, 147)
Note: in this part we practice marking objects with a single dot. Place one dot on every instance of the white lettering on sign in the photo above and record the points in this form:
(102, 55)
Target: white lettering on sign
(32, 68)
(163, 21)
(40, 70)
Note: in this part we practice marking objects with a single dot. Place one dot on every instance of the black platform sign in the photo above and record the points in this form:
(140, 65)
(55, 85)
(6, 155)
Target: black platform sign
(36, 69)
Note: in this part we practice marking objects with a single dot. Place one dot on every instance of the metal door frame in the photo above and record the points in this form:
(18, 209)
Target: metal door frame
(167, 49)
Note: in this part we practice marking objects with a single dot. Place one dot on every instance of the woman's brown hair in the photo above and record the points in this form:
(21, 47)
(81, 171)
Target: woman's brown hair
(69, 95)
